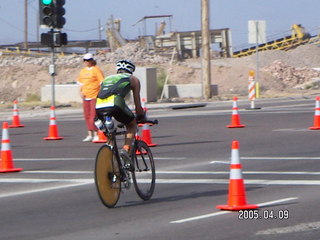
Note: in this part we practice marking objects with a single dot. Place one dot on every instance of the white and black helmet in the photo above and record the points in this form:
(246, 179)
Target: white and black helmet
(125, 65)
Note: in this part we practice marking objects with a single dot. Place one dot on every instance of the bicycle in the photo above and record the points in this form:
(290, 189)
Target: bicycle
(111, 174)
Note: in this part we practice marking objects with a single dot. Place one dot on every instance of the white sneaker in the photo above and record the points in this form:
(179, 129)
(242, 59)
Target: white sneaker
(95, 138)
(87, 139)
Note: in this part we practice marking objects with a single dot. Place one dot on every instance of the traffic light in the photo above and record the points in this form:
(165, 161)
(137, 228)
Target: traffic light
(47, 39)
(46, 13)
(54, 39)
(59, 20)
(51, 13)
(61, 39)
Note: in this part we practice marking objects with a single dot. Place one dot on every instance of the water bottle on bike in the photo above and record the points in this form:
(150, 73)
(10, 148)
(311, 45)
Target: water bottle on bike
(109, 124)
(100, 125)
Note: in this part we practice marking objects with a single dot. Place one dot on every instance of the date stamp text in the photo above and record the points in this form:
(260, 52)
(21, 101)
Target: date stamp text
(267, 214)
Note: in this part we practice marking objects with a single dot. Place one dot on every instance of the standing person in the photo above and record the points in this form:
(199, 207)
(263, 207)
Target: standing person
(111, 102)
(90, 78)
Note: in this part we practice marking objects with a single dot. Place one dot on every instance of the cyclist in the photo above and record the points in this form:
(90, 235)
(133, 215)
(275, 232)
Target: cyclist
(111, 102)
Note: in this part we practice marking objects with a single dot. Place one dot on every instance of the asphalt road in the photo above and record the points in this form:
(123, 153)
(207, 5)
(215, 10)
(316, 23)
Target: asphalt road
(54, 197)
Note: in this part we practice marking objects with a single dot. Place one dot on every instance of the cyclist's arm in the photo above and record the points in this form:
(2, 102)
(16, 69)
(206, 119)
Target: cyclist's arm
(135, 87)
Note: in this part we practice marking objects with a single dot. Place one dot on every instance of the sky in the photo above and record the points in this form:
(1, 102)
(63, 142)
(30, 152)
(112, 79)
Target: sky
(83, 16)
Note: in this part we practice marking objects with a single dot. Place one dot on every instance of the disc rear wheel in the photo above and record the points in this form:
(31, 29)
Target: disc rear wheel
(144, 175)
(107, 177)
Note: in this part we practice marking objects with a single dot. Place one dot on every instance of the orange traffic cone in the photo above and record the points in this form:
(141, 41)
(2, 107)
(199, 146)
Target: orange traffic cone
(146, 135)
(15, 118)
(316, 124)
(53, 128)
(235, 119)
(146, 132)
(237, 196)
(102, 137)
(6, 164)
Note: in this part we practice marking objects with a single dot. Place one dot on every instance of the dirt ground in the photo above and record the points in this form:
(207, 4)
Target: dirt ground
(280, 74)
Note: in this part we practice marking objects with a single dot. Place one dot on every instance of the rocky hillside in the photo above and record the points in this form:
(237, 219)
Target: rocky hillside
(281, 73)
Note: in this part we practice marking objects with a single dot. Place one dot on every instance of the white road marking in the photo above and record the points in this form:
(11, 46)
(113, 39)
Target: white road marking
(53, 159)
(294, 106)
(182, 113)
(170, 181)
(172, 158)
(276, 201)
(44, 180)
(192, 172)
(226, 212)
(220, 162)
(58, 172)
(199, 217)
(169, 158)
(17, 193)
(268, 158)
(86, 159)
(250, 181)
(244, 172)
(302, 227)
(291, 130)
(82, 181)
(280, 158)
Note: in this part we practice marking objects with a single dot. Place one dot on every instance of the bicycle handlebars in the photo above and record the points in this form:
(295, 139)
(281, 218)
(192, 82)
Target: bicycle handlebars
(152, 122)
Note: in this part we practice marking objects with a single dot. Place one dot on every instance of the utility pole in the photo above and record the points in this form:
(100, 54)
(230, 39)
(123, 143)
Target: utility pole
(25, 24)
(205, 61)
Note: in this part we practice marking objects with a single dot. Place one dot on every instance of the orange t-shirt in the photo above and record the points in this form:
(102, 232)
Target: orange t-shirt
(90, 80)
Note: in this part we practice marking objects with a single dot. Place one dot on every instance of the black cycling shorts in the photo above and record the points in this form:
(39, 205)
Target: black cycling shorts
(124, 116)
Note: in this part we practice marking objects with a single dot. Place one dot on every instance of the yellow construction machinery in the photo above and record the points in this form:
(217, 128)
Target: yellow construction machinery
(298, 37)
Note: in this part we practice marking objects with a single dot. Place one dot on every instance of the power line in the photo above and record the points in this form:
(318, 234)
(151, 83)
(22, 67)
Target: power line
(11, 25)
(88, 30)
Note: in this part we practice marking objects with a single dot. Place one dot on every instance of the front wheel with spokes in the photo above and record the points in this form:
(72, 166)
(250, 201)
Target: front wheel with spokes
(107, 176)
(144, 175)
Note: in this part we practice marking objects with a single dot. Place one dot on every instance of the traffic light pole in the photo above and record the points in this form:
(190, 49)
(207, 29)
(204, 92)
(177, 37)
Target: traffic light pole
(51, 13)
(52, 72)
(52, 68)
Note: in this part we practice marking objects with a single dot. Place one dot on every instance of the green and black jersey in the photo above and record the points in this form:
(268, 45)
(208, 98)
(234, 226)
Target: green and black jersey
(111, 96)
(118, 84)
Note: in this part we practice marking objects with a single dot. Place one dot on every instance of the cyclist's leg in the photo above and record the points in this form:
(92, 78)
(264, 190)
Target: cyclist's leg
(131, 132)
(124, 115)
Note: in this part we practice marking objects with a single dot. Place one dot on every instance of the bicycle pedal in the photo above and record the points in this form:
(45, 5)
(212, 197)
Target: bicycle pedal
(129, 167)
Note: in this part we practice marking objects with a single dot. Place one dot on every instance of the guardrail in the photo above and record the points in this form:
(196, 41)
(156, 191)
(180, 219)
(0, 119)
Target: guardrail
(29, 52)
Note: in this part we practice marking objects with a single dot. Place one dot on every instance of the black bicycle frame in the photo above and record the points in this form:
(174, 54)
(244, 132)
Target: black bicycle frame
(114, 147)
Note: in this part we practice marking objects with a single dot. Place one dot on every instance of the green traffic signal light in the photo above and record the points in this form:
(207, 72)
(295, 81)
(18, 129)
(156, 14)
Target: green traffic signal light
(46, 11)
(46, 2)
(51, 13)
